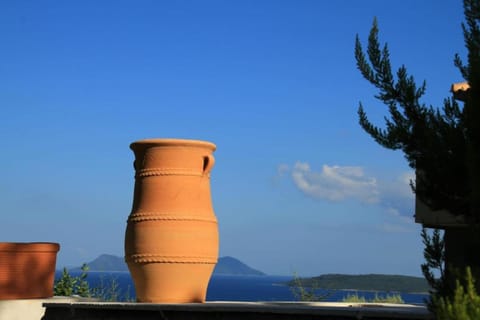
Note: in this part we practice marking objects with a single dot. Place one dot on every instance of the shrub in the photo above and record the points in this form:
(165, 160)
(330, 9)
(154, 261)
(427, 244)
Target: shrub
(465, 303)
(68, 285)
(302, 292)
(393, 298)
(106, 290)
(354, 298)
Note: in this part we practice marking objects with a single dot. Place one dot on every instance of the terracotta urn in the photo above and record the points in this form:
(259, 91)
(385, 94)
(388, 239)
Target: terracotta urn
(27, 270)
(171, 241)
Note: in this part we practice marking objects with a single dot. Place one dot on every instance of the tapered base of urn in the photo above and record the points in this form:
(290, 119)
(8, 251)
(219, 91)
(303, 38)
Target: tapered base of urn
(171, 282)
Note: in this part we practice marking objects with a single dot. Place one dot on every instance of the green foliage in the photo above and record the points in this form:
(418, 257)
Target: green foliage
(465, 303)
(68, 285)
(107, 290)
(393, 298)
(434, 254)
(306, 293)
(441, 144)
(433, 140)
(354, 298)
(389, 298)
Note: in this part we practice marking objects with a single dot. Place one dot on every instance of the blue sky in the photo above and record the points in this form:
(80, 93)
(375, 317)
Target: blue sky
(297, 186)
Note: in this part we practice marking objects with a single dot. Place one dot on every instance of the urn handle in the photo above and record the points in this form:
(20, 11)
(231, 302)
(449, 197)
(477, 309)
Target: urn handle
(208, 162)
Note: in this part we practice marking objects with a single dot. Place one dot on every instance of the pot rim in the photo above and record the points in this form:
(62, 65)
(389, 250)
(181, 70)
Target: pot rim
(29, 246)
(172, 142)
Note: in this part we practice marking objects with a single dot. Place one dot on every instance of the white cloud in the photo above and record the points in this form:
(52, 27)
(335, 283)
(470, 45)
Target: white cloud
(397, 196)
(335, 183)
(339, 183)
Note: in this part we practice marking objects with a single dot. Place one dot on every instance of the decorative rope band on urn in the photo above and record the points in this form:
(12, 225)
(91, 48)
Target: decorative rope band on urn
(167, 216)
(169, 172)
(155, 258)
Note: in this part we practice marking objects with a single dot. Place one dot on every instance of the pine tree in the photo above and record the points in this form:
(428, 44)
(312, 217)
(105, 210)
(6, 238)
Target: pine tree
(433, 140)
(441, 144)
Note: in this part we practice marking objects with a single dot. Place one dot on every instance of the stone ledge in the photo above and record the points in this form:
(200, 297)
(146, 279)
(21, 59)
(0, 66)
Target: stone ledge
(29, 309)
(232, 310)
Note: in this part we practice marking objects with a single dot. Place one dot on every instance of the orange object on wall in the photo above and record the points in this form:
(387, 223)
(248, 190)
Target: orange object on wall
(171, 241)
(27, 270)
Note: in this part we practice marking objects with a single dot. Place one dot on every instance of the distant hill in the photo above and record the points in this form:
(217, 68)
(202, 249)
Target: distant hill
(229, 265)
(108, 262)
(367, 282)
(225, 265)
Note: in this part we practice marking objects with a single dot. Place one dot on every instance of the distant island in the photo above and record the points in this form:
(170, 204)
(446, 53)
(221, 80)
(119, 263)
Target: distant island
(226, 266)
(229, 265)
(367, 282)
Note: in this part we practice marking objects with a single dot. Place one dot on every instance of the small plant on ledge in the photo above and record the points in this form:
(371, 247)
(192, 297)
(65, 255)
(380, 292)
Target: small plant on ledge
(69, 285)
(106, 290)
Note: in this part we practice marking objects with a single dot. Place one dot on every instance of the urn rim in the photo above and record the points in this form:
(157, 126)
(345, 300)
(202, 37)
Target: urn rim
(172, 142)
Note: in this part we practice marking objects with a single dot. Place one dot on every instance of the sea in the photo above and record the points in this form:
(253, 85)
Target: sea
(235, 288)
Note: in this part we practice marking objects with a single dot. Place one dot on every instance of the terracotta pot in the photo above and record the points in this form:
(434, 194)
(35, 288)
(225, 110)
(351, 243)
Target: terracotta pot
(171, 241)
(27, 270)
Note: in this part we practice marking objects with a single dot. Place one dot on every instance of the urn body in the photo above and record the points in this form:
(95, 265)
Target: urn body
(171, 241)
